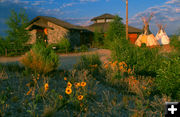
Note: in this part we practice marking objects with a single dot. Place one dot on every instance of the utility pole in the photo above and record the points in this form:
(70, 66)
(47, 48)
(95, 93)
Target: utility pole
(127, 19)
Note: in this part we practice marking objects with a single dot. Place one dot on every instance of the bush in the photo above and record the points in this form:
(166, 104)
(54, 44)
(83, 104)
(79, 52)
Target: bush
(167, 80)
(64, 45)
(98, 39)
(116, 31)
(175, 42)
(40, 59)
(144, 60)
(87, 62)
(84, 48)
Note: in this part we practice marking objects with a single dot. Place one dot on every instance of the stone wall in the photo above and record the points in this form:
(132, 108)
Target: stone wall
(55, 34)
(32, 37)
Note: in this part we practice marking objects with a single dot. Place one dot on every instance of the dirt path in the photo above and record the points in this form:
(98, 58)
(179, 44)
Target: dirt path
(67, 61)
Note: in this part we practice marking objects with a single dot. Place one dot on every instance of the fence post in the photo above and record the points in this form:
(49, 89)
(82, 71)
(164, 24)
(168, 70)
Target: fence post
(5, 51)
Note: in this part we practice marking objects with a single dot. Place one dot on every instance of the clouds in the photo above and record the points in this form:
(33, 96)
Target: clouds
(165, 14)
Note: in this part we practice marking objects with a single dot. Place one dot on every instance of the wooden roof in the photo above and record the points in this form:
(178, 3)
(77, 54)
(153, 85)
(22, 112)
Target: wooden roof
(103, 27)
(104, 16)
(55, 21)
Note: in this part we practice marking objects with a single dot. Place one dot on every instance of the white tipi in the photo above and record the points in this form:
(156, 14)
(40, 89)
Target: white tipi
(147, 37)
(161, 36)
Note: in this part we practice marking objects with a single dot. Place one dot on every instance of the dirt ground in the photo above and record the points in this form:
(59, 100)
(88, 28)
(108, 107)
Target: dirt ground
(67, 61)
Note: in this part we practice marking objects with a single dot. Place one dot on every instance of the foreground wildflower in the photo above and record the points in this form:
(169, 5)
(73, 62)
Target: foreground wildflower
(129, 71)
(68, 90)
(69, 85)
(29, 92)
(83, 84)
(60, 97)
(80, 97)
(65, 78)
(76, 84)
(46, 86)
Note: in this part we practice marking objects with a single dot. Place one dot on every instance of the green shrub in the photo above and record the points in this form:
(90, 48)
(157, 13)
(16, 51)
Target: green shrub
(64, 45)
(175, 42)
(116, 31)
(168, 80)
(40, 59)
(84, 48)
(87, 61)
(98, 39)
(144, 60)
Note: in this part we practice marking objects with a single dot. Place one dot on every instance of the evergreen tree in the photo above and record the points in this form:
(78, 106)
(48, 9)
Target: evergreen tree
(17, 32)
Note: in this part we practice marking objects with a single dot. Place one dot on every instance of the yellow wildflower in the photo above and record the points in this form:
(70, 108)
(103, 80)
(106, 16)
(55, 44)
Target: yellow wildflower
(46, 86)
(69, 85)
(80, 97)
(78, 84)
(68, 90)
(83, 84)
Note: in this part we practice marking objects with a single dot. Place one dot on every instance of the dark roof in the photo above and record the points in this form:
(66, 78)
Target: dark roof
(103, 27)
(104, 16)
(57, 22)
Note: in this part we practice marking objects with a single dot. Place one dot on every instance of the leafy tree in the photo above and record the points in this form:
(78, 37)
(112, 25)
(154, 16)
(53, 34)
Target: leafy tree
(98, 38)
(116, 30)
(17, 32)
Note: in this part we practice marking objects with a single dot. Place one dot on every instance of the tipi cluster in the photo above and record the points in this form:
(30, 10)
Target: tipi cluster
(148, 38)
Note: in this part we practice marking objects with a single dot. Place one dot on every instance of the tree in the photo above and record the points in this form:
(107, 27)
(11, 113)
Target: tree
(17, 32)
(116, 30)
(98, 38)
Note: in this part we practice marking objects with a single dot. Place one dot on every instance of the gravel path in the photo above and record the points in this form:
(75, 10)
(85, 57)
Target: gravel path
(67, 61)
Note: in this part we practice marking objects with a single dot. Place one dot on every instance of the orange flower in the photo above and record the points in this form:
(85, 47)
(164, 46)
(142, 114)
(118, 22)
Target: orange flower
(115, 62)
(29, 92)
(129, 71)
(60, 97)
(80, 97)
(78, 84)
(81, 104)
(120, 64)
(69, 85)
(144, 87)
(46, 86)
(83, 84)
(68, 91)
(28, 84)
(65, 78)
(121, 67)
(106, 66)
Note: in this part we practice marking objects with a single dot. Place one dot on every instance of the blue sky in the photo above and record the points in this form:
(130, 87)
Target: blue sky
(79, 12)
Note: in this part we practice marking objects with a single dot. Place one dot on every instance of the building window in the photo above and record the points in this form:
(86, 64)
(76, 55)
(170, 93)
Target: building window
(100, 20)
(109, 20)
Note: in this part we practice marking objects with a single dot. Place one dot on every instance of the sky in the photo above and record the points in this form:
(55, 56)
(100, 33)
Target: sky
(80, 12)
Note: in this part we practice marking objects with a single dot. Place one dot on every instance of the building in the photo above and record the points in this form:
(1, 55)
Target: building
(102, 24)
(56, 30)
